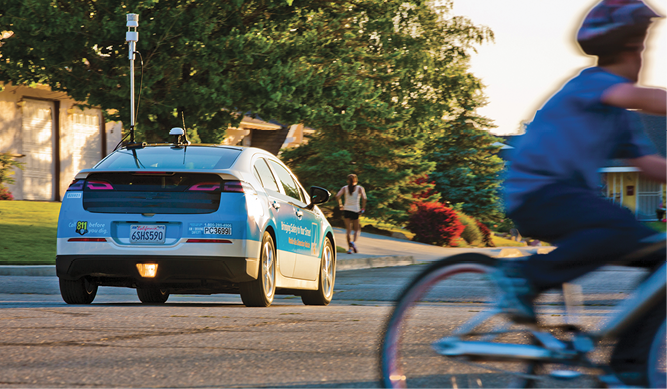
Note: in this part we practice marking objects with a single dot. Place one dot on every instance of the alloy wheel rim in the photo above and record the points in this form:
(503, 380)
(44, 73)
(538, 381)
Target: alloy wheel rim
(268, 266)
(327, 272)
(88, 286)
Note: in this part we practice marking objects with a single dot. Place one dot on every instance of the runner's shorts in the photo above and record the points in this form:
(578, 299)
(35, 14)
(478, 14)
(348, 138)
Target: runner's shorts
(350, 215)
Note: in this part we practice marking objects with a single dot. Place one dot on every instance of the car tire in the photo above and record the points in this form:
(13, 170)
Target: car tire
(79, 291)
(325, 291)
(152, 295)
(260, 292)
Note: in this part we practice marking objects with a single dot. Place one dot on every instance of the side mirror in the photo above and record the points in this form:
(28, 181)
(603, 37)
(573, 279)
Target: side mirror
(318, 196)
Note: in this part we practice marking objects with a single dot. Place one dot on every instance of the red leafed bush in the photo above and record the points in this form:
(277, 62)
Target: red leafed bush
(434, 223)
(5, 194)
(486, 235)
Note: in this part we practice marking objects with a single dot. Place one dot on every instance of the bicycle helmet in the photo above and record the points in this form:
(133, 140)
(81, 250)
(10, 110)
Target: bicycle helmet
(612, 24)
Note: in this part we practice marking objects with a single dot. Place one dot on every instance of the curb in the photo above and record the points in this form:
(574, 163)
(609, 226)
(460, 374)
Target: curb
(31, 271)
(344, 263)
(374, 262)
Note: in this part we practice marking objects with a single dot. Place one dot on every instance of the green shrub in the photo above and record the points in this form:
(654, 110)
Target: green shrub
(6, 164)
(487, 234)
(504, 225)
(5, 194)
(471, 233)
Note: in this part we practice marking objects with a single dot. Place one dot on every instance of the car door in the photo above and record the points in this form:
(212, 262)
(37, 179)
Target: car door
(304, 231)
(283, 213)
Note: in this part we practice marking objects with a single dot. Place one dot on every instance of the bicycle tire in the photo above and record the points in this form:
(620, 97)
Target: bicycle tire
(395, 341)
(657, 361)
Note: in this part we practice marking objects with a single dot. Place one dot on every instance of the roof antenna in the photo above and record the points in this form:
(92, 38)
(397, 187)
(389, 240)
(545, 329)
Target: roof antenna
(132, 37)
(185, 131)
(180, 137)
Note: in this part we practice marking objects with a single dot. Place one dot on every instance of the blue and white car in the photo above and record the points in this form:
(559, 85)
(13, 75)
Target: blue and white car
(195, 219)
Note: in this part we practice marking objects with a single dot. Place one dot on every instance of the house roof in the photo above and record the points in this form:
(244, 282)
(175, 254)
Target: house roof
(270, 141)
(258, 123)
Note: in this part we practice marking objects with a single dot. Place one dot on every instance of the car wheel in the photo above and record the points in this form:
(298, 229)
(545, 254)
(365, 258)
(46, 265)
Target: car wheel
(79, 291)
(324, 294)
(260, 292)
(152, 295)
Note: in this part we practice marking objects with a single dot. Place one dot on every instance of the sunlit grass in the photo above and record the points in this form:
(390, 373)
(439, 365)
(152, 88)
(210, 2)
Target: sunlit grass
(658, 226)
(28, 232)
(385, 226)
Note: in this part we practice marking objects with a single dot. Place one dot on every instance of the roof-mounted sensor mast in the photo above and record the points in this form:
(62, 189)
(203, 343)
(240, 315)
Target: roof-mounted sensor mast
(132, 37)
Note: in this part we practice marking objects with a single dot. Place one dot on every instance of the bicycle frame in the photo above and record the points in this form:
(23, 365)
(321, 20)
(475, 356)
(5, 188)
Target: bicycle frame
(644, 297)
(553, 350)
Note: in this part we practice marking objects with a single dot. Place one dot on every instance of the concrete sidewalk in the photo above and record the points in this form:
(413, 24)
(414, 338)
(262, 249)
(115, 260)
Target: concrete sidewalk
(374, 247)
(375, 251)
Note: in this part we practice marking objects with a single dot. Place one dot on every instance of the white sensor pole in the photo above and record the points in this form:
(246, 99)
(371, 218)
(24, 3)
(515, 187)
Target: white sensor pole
(132, 37)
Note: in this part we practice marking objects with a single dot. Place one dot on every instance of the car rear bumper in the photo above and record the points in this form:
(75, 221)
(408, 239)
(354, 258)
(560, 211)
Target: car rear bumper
(173, 271)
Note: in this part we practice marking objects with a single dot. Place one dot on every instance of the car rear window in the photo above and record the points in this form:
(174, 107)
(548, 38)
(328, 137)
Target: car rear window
(153, 192)
(167, 158)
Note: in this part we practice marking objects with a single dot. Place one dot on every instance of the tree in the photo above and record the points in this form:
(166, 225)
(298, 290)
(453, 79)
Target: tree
(414, 64)
(210, 59)
(384, 163)
(468, 168)
(374, 77)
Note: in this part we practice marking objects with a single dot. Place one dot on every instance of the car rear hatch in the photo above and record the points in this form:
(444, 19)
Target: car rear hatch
(154, 192)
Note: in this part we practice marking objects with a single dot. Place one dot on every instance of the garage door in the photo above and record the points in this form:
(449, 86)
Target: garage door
(87, 143)
(37, 146)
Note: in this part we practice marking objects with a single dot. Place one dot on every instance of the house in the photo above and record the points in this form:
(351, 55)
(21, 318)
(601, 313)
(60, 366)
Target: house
(622, 183)
(52, 137)
(270, 136)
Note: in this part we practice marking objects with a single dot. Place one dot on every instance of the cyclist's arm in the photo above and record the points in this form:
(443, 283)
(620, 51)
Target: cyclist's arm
(652, 166)
(631, 96)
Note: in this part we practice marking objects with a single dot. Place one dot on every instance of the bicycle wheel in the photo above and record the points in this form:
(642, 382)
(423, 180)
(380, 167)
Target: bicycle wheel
(657, 361)
(451, 298)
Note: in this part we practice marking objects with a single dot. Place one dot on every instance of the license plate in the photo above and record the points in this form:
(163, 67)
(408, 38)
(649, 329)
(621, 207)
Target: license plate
(147, 234)
(220, 229)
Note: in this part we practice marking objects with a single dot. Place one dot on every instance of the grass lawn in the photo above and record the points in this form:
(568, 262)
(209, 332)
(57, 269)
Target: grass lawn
(28, 232)
(658, 226)
(497, 240)
(385, 226)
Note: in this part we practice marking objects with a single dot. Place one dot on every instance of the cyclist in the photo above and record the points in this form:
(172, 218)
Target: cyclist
(552, 185)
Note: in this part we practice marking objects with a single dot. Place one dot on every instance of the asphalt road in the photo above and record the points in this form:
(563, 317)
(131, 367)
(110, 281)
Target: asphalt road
(214, 341)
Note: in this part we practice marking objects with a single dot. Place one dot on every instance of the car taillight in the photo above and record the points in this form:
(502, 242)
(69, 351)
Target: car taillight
(99, 185)
(227, 186)
(76, 185)
(206, 186)
(233, 186)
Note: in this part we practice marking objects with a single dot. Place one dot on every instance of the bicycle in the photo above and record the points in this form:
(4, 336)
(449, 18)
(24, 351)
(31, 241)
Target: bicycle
(490, 350)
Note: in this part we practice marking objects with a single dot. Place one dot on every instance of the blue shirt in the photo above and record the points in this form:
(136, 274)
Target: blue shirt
(572, 136)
